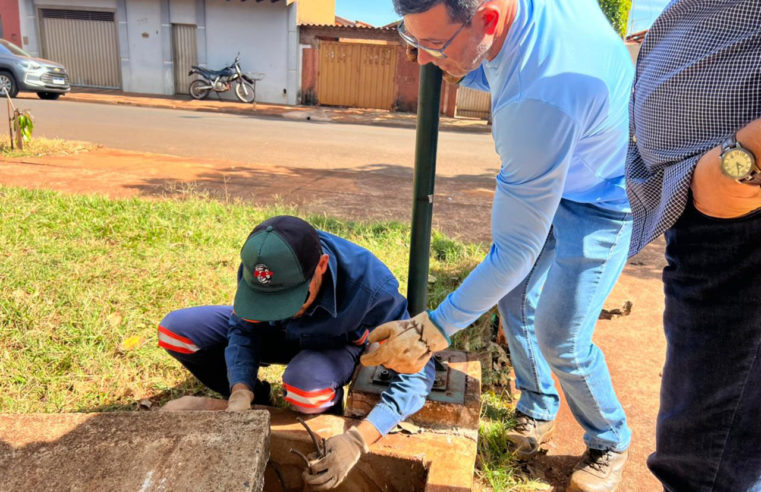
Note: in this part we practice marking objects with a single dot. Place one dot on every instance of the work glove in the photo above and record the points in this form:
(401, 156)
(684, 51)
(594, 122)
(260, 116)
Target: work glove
(412, 56)
(343, 452)
(240, 400)
(407, 345)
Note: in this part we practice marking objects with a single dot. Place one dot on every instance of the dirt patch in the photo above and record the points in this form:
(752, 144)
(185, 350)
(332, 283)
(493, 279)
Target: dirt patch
(634, 345)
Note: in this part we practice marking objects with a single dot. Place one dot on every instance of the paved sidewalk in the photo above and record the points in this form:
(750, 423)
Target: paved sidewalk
(312, 113)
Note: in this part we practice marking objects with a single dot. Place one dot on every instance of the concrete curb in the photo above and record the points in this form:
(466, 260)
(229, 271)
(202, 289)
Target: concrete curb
(305, 113)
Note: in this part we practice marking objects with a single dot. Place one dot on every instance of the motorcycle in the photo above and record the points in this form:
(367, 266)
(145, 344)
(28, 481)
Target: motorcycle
(222, 81)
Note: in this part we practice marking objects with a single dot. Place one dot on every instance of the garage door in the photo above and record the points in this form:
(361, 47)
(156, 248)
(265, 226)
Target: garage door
(356, 75)
(473, 103)
(85, 42)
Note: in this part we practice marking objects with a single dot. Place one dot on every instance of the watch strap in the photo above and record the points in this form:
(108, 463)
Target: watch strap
(753, 179)
(729, 143)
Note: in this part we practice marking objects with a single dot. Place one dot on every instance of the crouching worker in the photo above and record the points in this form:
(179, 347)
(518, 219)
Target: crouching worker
(307, 299)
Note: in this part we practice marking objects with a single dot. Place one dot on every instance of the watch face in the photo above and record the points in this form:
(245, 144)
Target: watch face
(737, 163)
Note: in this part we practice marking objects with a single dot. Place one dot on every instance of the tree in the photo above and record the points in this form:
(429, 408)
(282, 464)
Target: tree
(617, 12)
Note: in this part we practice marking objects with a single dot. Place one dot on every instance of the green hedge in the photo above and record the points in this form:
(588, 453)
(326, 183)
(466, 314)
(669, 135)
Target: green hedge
(617, 12)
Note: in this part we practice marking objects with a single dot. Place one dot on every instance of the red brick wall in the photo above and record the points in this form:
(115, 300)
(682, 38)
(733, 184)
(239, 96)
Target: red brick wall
(408, 86)
(309, 67)
(10, 21)
(448, 99)
(407, 82)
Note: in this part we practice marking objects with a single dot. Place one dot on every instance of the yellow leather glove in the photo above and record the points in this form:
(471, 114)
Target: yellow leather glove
(343, 452)
(240, 400)
(409, 344)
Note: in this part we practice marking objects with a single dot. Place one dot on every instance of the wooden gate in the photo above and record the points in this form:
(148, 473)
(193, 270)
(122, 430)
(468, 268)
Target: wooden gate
(356, 75)
(473, 103)
(185, 55)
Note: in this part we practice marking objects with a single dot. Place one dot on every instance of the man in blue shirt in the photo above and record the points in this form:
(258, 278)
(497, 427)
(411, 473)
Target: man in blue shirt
(560, 80)
(693, 172)
(307, 299)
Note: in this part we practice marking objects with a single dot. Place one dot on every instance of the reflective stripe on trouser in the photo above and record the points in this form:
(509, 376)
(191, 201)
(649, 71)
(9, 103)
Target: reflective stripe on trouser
(320, 398)
(175, 342)
(314, 380)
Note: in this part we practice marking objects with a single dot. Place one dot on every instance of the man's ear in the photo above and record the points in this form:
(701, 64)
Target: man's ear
(489, 15)
(322, 265)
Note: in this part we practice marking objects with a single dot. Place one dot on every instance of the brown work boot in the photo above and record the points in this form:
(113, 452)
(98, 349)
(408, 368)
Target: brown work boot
(529, 434)
(598, 471)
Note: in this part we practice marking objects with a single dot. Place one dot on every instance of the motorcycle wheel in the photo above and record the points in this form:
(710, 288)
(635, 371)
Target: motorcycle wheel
(199, 89)
(245, 92)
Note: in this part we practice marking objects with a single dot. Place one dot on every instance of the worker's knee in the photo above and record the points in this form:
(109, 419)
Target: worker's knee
(306, 393)
(310, 402)
(171, 338)
(568, 355)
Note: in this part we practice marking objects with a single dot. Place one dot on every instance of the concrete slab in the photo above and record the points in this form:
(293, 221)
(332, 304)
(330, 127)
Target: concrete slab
(422, 462)
(134, 451)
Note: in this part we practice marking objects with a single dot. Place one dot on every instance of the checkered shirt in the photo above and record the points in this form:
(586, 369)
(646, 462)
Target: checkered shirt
(698, 81)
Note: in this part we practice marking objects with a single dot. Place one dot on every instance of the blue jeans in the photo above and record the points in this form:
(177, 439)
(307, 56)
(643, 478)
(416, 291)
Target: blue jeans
(708, 436)
(550, 317)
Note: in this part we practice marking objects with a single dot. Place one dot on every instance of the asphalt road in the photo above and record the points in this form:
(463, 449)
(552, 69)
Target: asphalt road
(260, 140)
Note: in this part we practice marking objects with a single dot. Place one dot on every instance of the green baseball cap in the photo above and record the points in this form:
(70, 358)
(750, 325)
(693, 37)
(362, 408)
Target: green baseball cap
(278, 261)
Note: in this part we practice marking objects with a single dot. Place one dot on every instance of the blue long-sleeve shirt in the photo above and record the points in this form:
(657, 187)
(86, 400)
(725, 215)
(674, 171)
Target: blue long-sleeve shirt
(560, 88)
(358, 294)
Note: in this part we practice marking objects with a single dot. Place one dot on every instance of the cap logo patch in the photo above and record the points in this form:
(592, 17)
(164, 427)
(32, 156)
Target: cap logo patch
(262, 273)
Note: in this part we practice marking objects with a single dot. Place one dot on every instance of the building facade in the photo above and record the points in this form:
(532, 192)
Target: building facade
(148, 46)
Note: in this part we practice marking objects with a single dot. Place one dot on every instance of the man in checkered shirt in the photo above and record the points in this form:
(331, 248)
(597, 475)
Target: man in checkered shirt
(693, 172)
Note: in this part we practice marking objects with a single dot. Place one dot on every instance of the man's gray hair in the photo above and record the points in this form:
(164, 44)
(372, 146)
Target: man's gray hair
(459, 10)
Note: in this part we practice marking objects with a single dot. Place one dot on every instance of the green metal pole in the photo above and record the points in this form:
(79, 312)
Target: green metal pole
(425, 171)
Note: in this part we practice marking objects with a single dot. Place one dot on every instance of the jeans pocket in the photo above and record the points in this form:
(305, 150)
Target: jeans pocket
(749, 216)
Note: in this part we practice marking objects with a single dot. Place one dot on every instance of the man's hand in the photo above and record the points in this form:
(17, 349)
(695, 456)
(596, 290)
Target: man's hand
(343, 452)
(240, 399)
(409, 344)
(717, 195)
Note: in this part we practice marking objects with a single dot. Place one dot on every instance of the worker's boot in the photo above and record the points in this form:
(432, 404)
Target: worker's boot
(598, 471)
(529, 434)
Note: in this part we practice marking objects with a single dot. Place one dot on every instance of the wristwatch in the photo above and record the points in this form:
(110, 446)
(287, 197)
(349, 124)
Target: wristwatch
(739, 163)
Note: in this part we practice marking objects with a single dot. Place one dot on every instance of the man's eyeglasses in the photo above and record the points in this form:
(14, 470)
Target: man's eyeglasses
(438, 53)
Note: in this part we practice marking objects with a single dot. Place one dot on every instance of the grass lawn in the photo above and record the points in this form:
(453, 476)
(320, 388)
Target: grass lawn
(43, 146)
(86, 280)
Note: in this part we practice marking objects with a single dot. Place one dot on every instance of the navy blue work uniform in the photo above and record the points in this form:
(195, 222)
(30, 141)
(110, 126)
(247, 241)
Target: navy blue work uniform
(321, 348)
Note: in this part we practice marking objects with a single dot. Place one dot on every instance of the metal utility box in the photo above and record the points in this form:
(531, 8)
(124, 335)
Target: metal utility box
(455, 400)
